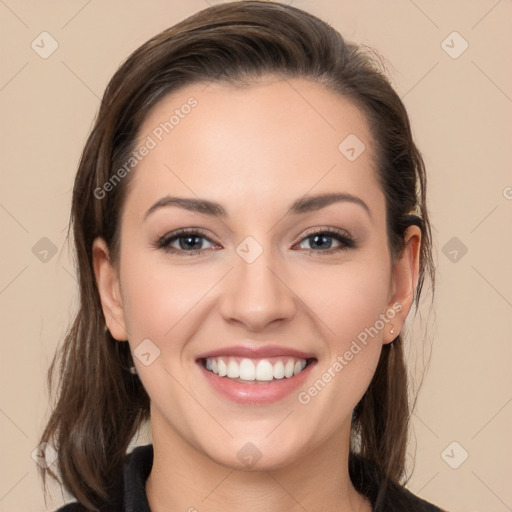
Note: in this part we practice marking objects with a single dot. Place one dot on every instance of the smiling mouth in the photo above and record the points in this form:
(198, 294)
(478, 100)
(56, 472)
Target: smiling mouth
(256, 371)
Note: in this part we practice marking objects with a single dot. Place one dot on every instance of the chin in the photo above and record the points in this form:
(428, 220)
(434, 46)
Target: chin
(256, 456)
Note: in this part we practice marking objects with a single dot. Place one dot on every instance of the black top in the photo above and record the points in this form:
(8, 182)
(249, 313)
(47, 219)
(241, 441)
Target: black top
(130, 495)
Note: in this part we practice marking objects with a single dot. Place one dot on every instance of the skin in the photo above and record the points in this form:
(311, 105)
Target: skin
(255, 150)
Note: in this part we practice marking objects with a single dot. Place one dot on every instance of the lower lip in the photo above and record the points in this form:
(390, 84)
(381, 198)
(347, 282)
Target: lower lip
(256, 392)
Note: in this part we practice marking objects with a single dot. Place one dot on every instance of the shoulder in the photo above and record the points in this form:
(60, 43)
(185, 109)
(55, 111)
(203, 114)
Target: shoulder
(384, 495)
(72, 507)
(420, 504)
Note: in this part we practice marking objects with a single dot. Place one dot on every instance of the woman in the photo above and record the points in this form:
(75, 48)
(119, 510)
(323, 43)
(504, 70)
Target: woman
(251, 232)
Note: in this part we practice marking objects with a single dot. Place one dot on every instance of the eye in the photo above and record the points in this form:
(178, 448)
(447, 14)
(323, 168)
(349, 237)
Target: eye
(189, 242)
(323, 240)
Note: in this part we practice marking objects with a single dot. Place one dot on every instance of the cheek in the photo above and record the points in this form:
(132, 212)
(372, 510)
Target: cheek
(349, 303)
(349, 298)
(156, 296)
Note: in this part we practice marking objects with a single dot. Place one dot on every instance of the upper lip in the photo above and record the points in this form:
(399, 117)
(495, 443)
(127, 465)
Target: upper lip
(250, 351)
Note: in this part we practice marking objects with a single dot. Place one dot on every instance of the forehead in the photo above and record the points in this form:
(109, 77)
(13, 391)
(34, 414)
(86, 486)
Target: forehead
(269, 140)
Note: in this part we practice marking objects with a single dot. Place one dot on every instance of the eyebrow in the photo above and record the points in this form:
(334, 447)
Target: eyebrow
(300, 206)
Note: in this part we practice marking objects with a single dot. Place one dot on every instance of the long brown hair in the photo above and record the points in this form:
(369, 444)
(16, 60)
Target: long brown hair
(100, 405)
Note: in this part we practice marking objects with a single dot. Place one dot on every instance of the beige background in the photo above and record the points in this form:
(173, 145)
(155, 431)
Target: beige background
(461, 115)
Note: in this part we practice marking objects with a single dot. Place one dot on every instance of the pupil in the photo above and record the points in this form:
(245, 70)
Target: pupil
(323, 238)
(190, 245)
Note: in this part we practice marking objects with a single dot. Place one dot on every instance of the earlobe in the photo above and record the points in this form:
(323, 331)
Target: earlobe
(405, 274)
(107, 281)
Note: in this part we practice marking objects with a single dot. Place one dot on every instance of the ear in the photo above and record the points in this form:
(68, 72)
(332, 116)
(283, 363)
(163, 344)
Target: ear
(405, 273)
(107, 280)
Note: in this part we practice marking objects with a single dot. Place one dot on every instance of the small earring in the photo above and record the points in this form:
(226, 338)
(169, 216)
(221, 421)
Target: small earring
(392, 331)
(133, 370)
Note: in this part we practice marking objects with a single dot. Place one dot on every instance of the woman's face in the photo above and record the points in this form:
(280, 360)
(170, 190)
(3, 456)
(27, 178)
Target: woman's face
(255, 271)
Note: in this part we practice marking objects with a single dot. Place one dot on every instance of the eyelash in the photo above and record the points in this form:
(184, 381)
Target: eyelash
(343, 237)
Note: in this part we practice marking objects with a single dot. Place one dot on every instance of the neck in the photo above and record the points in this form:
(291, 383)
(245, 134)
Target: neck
(184, 478)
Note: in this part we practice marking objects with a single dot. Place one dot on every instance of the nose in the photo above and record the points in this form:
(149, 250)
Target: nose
(257, 294)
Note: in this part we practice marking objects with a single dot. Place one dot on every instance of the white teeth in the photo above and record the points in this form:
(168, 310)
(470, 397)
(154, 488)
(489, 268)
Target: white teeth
(288, 369)
(251, 370)
(264, 370)
(299, 367)
(223, 369)
(247, 370)
(279, 370)
(233, 369)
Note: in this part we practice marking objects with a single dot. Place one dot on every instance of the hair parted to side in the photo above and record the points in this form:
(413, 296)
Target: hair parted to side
(100, 405)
